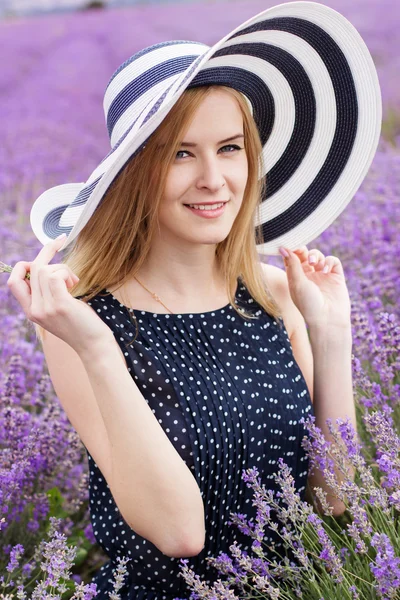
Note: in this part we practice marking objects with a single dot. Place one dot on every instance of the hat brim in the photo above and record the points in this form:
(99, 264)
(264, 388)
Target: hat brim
(316, 100)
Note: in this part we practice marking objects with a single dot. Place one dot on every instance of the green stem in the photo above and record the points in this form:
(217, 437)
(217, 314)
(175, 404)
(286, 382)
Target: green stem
(7, 269)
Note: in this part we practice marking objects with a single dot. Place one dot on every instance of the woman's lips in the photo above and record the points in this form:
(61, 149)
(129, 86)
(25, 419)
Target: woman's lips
(207, 214)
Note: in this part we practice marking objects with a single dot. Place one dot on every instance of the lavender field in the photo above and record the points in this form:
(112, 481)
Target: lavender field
(52, 80)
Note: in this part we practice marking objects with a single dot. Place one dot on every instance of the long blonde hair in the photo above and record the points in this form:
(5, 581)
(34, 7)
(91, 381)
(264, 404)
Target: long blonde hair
(115, 242)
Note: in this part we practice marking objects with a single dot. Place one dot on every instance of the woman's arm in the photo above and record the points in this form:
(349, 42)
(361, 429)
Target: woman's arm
(333, 390)
(152, 486)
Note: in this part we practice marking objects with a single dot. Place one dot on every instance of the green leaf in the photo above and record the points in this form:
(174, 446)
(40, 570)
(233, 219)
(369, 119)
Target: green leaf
(56, 503)
(80, 557)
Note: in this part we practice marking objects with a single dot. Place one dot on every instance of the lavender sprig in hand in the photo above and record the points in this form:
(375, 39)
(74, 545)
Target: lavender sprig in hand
(7, 269)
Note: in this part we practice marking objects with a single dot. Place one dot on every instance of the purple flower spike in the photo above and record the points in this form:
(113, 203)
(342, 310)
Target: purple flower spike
(328, 553)
(15, 555)
(386, 567)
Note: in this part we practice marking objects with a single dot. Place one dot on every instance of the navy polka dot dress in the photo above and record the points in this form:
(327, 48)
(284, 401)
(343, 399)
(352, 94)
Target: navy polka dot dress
(229, 395)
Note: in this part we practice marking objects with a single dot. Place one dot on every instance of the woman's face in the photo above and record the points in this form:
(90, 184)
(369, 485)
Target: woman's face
(210, 167)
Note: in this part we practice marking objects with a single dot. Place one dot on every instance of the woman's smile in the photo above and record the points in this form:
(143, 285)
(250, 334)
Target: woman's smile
(208, 212)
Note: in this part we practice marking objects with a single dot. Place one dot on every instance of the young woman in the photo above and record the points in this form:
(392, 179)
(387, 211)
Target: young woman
(179, 357)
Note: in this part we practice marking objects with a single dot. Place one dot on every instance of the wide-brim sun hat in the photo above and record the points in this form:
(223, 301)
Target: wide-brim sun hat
(315, 97)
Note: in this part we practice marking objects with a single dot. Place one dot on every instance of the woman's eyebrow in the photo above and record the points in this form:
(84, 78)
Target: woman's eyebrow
(234, 137)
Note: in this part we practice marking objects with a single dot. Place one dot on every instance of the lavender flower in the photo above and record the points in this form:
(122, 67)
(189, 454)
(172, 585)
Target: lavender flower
(328, 553)
(15, 555)
(119, 577)
(381, 428)
(386, 567)
(85, 592)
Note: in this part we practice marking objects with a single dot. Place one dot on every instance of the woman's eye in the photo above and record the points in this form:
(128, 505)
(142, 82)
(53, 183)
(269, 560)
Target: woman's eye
(225, 150)
(181, 152)
(231, 147)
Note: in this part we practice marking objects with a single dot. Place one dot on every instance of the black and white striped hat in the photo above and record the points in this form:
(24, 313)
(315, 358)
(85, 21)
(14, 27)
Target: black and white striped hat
(315, 98)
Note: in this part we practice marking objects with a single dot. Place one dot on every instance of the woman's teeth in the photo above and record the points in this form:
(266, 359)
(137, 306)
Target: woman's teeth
(206, 206)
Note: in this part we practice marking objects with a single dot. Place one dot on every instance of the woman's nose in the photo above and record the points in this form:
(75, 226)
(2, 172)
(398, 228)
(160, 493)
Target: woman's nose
(210, 175)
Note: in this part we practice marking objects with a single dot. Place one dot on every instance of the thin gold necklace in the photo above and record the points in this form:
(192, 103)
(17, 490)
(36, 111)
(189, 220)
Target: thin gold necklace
(154, 295)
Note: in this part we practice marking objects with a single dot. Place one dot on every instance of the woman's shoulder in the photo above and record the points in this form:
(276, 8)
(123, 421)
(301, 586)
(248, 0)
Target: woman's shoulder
(96, 303)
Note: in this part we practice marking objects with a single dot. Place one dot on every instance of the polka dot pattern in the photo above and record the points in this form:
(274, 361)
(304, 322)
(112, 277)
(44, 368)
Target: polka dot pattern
(229, 395)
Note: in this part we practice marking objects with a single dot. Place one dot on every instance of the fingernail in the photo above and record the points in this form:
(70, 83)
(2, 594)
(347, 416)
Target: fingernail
(284, 252)
(61, 236)
(312, 259)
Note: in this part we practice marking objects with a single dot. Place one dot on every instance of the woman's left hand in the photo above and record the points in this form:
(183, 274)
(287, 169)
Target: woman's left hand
(322, 298)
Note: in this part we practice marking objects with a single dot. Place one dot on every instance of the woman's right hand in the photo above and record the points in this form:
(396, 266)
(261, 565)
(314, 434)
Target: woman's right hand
(45, 300)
